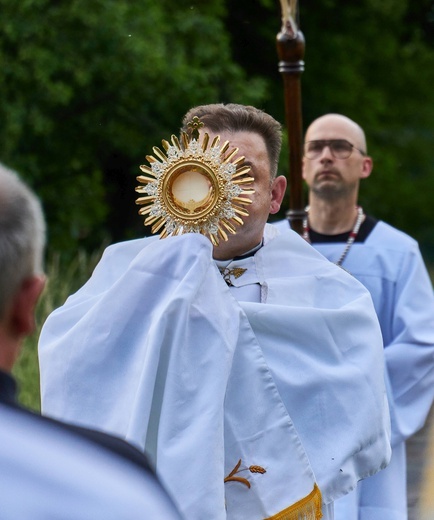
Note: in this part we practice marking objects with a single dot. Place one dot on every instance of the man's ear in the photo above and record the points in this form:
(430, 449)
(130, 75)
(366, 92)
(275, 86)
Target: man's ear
(23, 306)
(367, 166)
(278, 188)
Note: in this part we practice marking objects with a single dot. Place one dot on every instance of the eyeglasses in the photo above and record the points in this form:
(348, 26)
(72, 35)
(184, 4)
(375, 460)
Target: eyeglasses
(339, 148)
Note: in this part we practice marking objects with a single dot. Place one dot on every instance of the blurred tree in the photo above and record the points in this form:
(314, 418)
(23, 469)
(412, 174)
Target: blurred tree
(373, 61)
(87, 87)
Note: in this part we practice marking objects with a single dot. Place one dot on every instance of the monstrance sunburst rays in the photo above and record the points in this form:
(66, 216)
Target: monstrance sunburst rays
(194, 188)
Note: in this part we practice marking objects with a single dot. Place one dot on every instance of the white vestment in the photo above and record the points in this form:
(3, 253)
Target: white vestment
(389, 264)
(155, 348)
(47, 472)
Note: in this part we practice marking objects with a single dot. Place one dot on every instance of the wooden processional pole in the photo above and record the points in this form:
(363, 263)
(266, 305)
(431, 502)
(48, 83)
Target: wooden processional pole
(290, 50)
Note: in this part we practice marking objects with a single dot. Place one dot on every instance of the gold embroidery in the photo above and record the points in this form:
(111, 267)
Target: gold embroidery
(257, 469)
(308, 508)
(252, 469)
(231, 478)
(236, 272)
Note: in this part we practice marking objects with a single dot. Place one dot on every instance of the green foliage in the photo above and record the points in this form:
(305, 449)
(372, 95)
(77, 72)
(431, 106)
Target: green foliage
(372, 61)
(88, 87)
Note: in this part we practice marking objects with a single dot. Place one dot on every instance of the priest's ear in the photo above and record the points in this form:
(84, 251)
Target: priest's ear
(22, 311)
(278, 188)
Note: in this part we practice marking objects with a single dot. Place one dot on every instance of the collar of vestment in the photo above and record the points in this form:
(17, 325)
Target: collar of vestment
(365, 229)
(238, 273)
(240, 270)
(247, 254)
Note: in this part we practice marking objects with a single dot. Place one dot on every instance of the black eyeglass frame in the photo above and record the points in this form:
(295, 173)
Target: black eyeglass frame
(330, 143)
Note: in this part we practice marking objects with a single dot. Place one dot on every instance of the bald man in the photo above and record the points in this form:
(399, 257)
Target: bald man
(389, 264)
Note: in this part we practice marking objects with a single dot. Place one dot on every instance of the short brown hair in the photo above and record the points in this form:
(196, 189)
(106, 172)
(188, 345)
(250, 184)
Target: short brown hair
(231, 117)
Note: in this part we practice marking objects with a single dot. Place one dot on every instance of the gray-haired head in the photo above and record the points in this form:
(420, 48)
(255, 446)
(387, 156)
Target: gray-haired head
(22, 235)
(232, 117)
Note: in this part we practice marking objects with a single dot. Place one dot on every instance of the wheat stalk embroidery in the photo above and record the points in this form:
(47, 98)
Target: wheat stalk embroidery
(233, 478)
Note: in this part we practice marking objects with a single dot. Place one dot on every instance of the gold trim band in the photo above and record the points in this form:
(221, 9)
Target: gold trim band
(308, 508)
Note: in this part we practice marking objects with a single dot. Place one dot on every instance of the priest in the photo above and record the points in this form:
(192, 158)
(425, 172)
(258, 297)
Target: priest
(246, 366)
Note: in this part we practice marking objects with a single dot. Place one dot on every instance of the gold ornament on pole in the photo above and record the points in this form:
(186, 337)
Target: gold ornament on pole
(289, 15)
(192, 187)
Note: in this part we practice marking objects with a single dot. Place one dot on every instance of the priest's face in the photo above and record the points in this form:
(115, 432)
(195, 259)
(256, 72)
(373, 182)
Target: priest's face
(266, 199)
